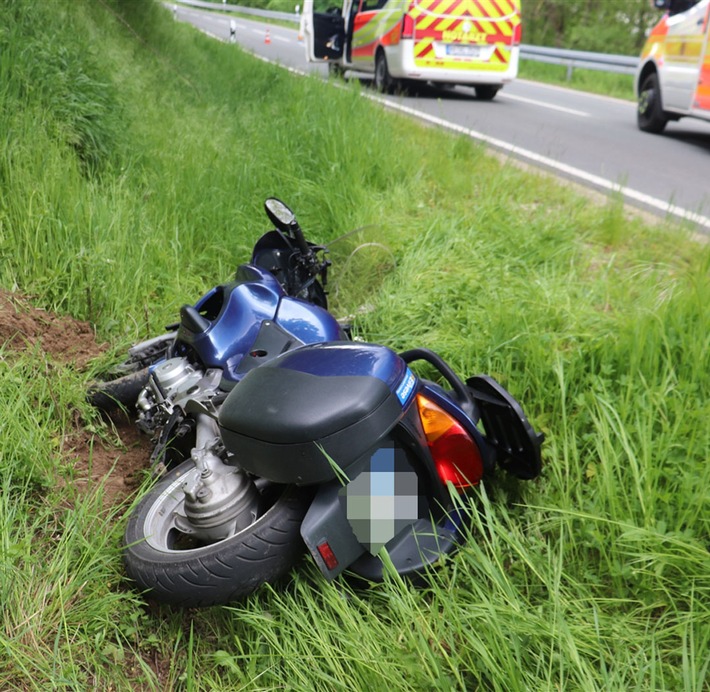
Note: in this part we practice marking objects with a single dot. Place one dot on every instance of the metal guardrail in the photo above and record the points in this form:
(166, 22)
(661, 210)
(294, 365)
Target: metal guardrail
(267, 14)
(603, 62)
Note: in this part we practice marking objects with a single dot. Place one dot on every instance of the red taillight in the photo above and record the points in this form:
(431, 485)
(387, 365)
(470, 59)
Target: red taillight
(407, 27)
(326, 552)
(517, 34)
(456, 455)
(505, 39)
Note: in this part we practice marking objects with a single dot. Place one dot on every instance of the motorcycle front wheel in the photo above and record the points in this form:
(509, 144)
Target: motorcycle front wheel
(119, 393)
(122, 385)
(170, 567)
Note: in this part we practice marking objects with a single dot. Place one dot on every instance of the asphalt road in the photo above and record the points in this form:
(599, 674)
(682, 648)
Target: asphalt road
(592, 140)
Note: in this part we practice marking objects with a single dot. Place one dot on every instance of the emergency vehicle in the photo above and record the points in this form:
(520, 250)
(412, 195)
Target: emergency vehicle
(673, 79)
(469, 42)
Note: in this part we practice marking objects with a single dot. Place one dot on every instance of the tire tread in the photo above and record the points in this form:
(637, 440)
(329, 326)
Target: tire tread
(232, 569)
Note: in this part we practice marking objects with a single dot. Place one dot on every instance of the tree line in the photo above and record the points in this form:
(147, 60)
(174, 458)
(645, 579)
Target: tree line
(602, 26)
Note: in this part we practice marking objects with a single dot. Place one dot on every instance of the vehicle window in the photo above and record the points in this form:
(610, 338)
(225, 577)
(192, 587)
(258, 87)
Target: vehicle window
(681, 5)
(369, 5)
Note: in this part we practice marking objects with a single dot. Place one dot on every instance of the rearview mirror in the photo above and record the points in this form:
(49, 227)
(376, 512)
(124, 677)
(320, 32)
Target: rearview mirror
(279, 214)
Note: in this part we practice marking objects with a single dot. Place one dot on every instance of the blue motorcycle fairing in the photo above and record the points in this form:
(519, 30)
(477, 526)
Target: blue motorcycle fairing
(234, 314)
(307, 322)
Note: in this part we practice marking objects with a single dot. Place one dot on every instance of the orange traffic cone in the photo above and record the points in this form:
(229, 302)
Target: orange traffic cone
(267, 38)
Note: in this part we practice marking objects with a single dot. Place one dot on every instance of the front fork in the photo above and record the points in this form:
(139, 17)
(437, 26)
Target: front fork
(220, 499)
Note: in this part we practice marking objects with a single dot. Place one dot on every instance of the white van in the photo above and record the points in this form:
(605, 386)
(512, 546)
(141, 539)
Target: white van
(673, 79)
(470, 42)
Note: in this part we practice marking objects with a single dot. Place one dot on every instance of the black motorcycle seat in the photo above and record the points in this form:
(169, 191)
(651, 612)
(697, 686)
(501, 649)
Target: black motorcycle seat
(284, 406)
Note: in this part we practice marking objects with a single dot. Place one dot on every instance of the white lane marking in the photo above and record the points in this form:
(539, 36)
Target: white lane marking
(542, 104)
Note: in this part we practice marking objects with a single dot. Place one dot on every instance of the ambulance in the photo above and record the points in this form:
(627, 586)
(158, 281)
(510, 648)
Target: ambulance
(673, 79)
(469, 42)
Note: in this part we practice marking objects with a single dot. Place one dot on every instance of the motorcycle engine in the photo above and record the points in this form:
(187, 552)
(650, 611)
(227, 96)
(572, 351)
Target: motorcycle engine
(173, 383)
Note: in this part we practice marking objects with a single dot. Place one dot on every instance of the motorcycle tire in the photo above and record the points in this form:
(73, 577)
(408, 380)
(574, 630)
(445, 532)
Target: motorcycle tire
(119, 393)
(219, 572)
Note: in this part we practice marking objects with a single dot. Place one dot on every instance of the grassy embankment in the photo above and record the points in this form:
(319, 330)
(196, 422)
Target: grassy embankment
(134, 158)
(596, 82)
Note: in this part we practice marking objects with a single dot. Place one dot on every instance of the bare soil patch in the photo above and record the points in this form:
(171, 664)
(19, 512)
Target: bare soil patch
(63, 338)
(119, 466)
(68, 342)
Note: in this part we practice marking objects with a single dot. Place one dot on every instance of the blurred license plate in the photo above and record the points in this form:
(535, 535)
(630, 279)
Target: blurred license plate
(463, 50)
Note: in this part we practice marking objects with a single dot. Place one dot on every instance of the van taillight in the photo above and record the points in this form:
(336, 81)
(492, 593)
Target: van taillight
(455, 453)
(407, 27)
(517, 34)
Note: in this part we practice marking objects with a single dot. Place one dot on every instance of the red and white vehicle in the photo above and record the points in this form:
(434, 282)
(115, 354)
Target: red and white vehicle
(470, 42)
(673, 79)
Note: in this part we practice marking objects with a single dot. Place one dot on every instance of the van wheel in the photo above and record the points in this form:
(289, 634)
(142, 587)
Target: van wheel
(383, 80)
(486, 92)
(650, 115)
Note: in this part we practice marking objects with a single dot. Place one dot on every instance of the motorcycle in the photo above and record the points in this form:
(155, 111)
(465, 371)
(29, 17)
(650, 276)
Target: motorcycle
(274, 429)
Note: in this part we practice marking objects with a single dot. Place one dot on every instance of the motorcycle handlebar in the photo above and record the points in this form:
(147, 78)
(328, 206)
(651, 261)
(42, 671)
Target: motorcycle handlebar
(301, 240)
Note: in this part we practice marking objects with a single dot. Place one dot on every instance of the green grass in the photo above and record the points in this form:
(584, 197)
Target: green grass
(132, 177)
(594, 81)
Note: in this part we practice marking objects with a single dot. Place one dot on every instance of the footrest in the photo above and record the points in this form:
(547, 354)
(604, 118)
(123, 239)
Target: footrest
(507, 428)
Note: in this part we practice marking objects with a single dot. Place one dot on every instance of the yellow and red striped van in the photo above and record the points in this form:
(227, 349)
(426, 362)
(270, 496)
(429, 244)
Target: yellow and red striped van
(469, 42)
